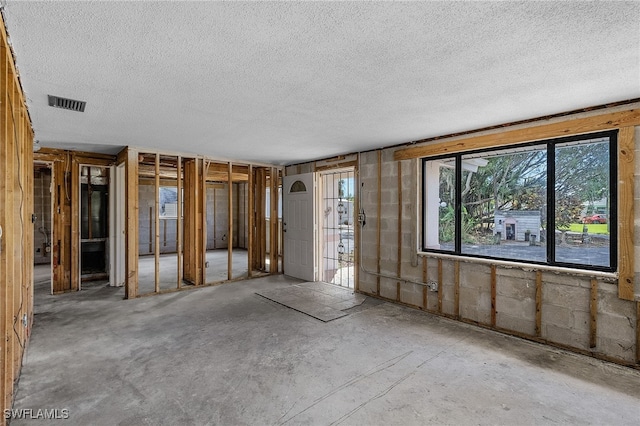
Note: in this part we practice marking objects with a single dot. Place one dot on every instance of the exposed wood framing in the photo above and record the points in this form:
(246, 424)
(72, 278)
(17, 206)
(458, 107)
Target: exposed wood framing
(593, 308)
(378, 221)
(638, 332)
(102, 160)
(626, 269)
(156, 220)
(131, 222)
(263, 219)
(193, 235)
(440, 286)
(16, 207)
(273, 222)
(425, 290)
(202, 217)
(493, 295)
(260, 236)
(338, 165)
(538, 329)
(75, 224)
(578, 126)
(399, 266)
(280, 227)
(179, 222)
(150, 228)
(230, 231)
(398, 292)
(250, 219)
(65, 232)
(456, 288)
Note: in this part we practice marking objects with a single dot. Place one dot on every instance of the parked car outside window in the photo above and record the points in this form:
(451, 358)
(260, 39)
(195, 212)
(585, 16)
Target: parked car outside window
(596, 218)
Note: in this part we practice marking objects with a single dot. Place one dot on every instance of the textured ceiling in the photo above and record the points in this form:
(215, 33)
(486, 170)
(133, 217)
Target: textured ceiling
(283, 82)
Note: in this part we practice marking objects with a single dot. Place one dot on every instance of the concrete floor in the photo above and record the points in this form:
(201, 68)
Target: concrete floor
(224, 355)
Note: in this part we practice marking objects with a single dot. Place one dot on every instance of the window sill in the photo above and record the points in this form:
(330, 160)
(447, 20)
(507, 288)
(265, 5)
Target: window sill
(605, 276)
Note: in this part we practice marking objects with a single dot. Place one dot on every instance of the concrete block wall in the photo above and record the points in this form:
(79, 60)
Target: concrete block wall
(515, 300)
(565, 309)
(475, 293)
(565, 305)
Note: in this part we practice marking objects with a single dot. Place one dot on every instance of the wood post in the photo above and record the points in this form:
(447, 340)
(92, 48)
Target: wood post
(193, 236)
(273, 222)
(250, 219)
(440, 286)
(456, 288)
(493, 295)
(75, 225)
(638, 332)
(425, 290)
(202, 215)
(593, 308)
(156, 222)
(399, 266)
(378, 219)
(230, 221)
(131, 223)
(538, 329)
(179, 222)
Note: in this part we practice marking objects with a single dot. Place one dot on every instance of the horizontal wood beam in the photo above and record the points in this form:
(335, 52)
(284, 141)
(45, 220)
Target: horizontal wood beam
(569, 127)
(50, 154)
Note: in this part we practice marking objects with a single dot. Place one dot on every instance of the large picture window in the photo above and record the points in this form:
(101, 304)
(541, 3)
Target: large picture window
(548, 202)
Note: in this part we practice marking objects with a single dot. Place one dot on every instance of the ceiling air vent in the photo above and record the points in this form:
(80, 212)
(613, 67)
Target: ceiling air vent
(65, 103)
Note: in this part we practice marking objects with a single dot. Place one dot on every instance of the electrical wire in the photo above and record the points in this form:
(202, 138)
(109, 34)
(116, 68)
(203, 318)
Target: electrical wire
(15, 136)
(66, 177)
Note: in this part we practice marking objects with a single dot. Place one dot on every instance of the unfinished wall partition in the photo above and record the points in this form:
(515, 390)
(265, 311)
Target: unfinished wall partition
(227, 216)
(196, 222)
(70, 198)
(16, 227)
(160, 218)
(266, 185)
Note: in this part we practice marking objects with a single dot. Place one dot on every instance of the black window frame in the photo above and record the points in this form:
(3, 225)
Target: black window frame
(550, 145)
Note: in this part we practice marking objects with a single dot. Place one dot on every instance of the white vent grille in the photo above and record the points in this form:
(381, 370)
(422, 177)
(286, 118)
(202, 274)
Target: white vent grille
(64, 103)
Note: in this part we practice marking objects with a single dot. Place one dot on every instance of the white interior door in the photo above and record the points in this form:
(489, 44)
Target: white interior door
(298, 225)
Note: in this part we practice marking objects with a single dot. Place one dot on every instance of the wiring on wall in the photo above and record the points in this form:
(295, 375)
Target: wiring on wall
(18, 315)
(66, 177)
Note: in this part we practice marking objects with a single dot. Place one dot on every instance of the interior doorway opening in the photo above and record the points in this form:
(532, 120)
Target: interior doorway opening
(337, 230)
(43, 227)
(94, 223)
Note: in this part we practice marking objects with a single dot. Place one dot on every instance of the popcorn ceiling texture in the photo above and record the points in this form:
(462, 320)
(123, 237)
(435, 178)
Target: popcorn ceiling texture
(287, 82)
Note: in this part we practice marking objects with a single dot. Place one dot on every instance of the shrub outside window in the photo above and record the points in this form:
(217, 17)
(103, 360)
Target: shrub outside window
(548, 202)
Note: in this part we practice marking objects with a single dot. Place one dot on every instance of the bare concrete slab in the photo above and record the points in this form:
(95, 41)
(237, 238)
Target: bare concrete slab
(319, 300)
(224, 355)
